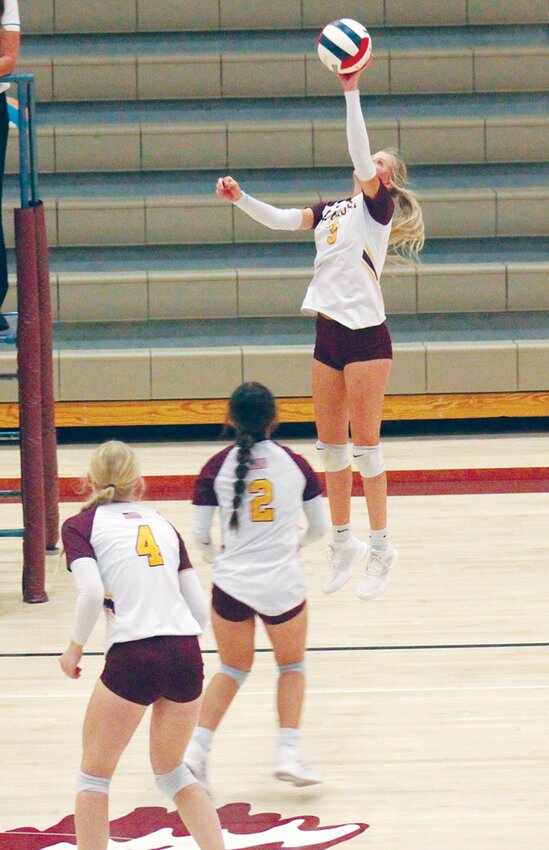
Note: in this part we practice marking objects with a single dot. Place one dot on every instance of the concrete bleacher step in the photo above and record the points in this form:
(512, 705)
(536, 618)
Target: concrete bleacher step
(206, 359)
(176, 210)
(129, 284)
(110, 16)
(187, 65)
(285, 133)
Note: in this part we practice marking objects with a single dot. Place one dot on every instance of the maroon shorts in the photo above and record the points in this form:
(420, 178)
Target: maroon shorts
(337, 345)
(231, 609)
(144, 670)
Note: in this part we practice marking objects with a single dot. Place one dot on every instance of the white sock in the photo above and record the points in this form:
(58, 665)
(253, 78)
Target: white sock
(288, 737)
(204, 737)
(341, 533)
(379, 539)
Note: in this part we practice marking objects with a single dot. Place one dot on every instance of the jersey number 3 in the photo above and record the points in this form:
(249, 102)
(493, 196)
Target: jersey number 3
(146, 545)
(261, 510)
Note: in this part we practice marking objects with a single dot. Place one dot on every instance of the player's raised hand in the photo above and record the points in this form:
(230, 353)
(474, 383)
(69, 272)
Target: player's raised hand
(228, 189)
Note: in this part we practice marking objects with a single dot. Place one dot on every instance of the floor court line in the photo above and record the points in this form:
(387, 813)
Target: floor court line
(321, 691)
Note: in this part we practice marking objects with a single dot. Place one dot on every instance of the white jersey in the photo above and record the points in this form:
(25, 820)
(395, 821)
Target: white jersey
(138, 554)
(10, 21)
(351, 239)
(260, 563)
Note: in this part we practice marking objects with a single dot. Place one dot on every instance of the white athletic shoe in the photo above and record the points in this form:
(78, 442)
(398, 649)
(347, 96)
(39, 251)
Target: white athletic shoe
(376, 577)
(291, 768)
(342, 558)
(196, 759)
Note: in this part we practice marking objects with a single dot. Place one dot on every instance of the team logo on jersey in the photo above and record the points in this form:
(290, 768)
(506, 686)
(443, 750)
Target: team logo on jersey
(155, 827)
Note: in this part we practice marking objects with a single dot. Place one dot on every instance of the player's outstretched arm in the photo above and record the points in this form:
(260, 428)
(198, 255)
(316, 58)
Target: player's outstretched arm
(266, 214)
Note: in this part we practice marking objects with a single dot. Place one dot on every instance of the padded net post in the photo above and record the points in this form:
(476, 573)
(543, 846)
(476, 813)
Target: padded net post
(30, 415)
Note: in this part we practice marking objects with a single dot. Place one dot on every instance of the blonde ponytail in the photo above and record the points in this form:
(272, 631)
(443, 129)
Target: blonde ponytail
(408, 231)
(114, 475)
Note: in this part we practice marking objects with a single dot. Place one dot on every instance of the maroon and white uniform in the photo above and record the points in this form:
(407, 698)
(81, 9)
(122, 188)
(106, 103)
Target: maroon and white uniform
(141, 559)
(259, 563)
(351, 238)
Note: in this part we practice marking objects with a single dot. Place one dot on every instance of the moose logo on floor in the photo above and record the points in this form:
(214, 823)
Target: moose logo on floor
(155, 827)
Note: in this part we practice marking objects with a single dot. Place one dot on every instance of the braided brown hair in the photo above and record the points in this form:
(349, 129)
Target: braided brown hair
(252, 413)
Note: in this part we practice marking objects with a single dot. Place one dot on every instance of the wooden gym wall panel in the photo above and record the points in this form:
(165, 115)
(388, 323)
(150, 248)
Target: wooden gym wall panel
(459, 214)
(263, 75)
(42, 68)
(471, 367)
(189, 373)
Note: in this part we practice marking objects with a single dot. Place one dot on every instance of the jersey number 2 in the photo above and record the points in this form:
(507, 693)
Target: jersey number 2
(146, 545)
(261, 511)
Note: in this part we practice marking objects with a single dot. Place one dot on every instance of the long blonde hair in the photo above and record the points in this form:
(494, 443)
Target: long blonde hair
(408, 231)
(114, 474)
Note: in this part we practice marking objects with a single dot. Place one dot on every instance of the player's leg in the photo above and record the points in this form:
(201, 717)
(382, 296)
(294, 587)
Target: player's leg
(109, 724)
(235, 644)
(288, 639)
(172, 724)
(332, 422)
(366, 383)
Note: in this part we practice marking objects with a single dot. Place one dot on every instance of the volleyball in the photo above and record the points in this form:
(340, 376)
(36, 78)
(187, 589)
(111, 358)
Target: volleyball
(344, 46)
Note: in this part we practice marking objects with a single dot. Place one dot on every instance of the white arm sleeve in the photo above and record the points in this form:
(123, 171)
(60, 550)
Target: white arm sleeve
(316, 519)
(194, 596)
(268, 215)
(201, 526)
(357, 138)
(89, 599)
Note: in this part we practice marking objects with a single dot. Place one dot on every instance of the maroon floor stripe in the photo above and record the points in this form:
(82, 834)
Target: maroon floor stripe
(419, 482)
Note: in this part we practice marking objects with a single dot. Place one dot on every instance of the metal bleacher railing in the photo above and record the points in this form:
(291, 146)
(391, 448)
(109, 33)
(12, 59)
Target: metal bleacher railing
(32, 337)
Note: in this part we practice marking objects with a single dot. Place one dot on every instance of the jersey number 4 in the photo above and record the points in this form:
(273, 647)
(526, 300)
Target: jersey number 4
(260, 508)
(146, 545)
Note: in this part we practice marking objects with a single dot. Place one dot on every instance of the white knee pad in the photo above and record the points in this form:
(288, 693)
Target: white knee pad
(170, 783)
(86, 782)
(334, 458)
(296, 667)
(369, 460)
(239, 676)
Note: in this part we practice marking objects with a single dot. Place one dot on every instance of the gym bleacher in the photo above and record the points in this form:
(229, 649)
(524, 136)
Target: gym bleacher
(161, 292)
